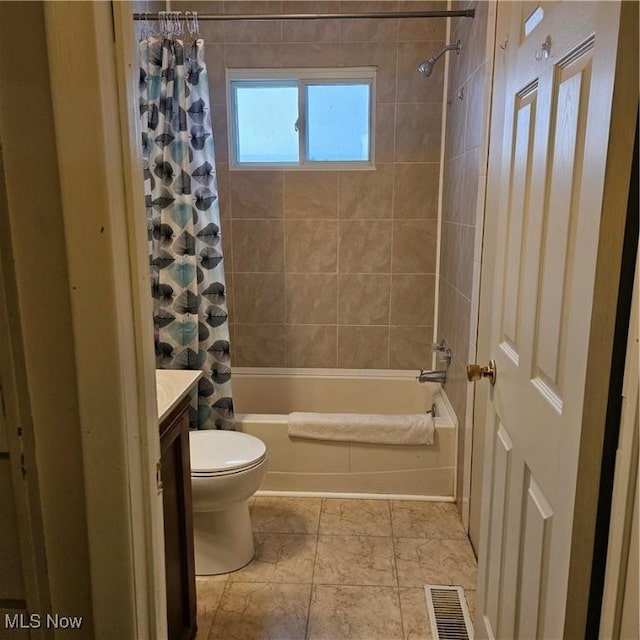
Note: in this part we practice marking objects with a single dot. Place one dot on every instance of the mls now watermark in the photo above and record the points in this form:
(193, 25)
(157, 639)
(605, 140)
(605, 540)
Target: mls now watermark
(37, 621)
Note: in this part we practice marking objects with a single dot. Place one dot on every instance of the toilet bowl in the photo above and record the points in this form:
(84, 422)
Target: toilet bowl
(227, 468)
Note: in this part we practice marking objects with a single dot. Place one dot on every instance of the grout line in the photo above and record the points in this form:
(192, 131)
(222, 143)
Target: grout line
(313, 572)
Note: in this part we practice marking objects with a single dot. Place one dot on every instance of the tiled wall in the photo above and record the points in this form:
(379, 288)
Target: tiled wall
(334, 269)
(463, 209)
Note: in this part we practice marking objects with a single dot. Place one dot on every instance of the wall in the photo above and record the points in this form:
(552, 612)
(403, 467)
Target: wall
(462, 216)
(37, 285)
(333, 269)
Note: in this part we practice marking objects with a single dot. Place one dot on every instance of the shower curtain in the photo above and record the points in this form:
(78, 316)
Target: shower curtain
(183, 216)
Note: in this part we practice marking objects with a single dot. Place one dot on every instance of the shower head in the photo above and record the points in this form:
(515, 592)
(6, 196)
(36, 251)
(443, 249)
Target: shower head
(426, 66)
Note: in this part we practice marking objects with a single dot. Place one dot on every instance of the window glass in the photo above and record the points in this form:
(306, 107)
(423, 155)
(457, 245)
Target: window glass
(337, 123)
(266, 123)
(301, 118)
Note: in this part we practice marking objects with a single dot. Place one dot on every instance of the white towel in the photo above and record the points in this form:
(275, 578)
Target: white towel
(363, 427)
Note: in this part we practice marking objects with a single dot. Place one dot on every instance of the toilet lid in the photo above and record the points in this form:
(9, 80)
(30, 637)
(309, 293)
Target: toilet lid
(215, 451)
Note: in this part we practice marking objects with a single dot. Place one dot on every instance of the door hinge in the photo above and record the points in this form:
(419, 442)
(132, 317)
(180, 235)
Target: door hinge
(159, 484)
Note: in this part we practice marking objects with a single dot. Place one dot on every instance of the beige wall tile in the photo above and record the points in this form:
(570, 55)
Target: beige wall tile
(310, 54)
(464, 262)
(463, 322)
(455, 127)
(414, 246)
(259, 346)
(311, 298)
(410, 347)
(259, 298)
(311, 194)
(363, 299)
(311, 345)
(459, 64)
(253, 32)
(445, 312)
(269, 31)
(412, 299)
(363, 347)
(369, 30)
(310, 30)
(258, 245)
(413, 86)
(469, 192)
(311, 246)
(219, 126)
(378, 54)
(252, 6)
(222, 181)
(365, 246)
(252, 55)
(476, 43)
(422, 28)
(229, 289)
(320, 31)
(475, 97)
(256, 194)
(453, 189)
(415, 190)
(367, 6)
(313, 243)
(418, 132)
(366, 194)
(227, 245)
(216, 73)
(385, 132)
(450, 238)
(210, 30)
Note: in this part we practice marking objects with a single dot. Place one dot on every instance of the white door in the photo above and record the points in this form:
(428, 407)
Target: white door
(555, 136)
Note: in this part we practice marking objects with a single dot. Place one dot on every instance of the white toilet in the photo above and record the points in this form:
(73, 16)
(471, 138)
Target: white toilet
(227, 467)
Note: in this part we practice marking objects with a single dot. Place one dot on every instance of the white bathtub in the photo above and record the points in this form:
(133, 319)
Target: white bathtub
(263, 398)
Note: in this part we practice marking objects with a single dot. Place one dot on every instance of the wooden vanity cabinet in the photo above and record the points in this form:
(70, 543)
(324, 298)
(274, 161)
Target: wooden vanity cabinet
(178, 523)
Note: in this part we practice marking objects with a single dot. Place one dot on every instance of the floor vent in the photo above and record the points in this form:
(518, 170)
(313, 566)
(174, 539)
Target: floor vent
(448, 613)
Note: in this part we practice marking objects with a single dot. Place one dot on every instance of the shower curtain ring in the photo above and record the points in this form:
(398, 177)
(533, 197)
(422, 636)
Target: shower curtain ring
(162, 19)
(178, 23)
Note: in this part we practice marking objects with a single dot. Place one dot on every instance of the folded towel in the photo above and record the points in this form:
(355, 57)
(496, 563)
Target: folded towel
(363, 427)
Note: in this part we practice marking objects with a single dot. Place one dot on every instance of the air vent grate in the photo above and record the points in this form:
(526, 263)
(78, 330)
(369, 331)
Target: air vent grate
(448, 613)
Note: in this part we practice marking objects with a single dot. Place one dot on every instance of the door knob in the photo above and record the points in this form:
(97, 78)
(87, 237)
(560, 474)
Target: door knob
(475, 372)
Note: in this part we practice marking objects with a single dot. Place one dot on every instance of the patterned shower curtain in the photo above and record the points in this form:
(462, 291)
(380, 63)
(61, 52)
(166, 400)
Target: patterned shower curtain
(187, 273)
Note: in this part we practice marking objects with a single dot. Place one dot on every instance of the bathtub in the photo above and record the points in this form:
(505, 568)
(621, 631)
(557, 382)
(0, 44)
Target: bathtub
(263, 398)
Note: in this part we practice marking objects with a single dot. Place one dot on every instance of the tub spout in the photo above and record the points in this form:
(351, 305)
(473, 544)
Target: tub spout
(432, 376)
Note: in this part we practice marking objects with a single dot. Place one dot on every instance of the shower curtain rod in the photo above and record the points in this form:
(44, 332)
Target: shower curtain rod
(463, 13)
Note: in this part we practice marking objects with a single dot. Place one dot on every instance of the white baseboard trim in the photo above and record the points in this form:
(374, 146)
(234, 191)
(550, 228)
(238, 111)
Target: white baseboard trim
(354, 496)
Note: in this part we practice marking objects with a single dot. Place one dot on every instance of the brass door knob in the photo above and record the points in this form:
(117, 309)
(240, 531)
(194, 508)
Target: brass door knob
(475, 372)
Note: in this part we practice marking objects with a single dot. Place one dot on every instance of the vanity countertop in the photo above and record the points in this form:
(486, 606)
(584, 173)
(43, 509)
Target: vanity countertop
(171, 387)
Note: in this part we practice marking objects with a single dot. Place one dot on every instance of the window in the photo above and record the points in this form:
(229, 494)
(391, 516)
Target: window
(301, 118)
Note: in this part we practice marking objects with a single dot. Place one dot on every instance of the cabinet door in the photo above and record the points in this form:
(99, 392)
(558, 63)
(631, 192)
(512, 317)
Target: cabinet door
(178, 530)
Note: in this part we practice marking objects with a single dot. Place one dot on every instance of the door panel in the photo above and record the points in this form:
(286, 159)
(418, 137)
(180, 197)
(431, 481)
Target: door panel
(569, 111)
(546, 256)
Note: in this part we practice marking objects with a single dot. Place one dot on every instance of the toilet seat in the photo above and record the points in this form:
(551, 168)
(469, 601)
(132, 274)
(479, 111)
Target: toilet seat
(220, 453)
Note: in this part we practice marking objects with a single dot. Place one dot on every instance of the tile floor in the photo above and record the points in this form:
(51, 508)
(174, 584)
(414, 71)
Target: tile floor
(337, 569)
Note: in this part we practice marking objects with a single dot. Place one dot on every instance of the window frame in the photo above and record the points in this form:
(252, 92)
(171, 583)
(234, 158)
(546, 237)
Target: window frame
(303, 77)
